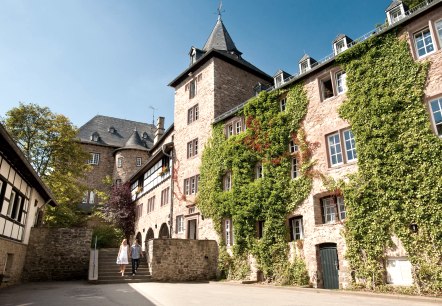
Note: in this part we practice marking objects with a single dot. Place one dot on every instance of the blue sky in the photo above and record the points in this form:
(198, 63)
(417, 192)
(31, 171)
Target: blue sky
(115, 58)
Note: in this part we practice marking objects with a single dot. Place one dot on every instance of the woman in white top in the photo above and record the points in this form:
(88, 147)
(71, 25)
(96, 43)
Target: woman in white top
(123, 256)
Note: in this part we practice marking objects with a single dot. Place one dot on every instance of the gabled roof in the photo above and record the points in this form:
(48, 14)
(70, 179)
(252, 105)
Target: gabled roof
(18, 161)
(393, 4)
(124, 129)
(220, 39)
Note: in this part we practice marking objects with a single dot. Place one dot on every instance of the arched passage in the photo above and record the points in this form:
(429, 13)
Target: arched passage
(164, 231)
(149, 234)
(139, 238)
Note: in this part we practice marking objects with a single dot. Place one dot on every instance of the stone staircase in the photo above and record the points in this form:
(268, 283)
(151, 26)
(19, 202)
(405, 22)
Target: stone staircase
(108, 269)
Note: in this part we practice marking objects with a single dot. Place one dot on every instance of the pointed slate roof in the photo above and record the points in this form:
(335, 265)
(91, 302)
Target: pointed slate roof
(393, 4)
(220, 39)
(135, 142)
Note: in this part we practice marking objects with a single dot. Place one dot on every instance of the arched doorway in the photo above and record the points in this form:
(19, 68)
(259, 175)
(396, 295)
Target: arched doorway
(149, 234)
(164, 231)
(139, 238)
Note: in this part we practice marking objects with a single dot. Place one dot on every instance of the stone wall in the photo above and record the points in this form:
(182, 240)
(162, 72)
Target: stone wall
(57, 254)
(182, 259)
(12, 258)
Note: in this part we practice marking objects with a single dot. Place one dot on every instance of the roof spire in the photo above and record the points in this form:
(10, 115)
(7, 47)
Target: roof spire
(220, 5)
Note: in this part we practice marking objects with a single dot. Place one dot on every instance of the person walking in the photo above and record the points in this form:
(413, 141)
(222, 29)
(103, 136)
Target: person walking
(135, 254)
(123, 256)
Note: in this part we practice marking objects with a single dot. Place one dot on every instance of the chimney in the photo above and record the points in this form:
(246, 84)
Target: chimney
(160, 129)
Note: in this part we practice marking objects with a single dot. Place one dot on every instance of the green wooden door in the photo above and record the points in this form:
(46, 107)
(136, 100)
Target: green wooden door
(330, 266)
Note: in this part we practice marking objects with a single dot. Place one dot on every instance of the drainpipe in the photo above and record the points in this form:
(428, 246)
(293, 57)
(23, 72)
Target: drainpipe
(171, 191)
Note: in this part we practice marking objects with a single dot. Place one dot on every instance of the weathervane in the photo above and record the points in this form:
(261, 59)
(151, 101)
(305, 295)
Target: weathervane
(220, 10)
(153, 113)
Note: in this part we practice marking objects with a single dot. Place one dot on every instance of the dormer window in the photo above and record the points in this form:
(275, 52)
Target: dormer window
(306, 63)
(145, 136)
(395, 12)
(341, 43)
(95, 136)
(280, 77)
(195, 55)
(112, 130)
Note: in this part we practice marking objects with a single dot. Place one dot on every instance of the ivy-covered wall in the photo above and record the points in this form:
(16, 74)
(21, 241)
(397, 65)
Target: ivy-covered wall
(270, 198)
(399, 181)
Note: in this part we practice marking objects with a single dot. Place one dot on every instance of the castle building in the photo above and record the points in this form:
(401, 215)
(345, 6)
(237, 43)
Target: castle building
(118, 148)
(215, 89)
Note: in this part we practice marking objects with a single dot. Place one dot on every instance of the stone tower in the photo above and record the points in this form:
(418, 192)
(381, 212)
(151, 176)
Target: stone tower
(217, 80)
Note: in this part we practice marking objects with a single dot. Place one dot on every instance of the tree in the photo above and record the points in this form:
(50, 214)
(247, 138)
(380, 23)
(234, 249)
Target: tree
(49, 143)
(119, 209)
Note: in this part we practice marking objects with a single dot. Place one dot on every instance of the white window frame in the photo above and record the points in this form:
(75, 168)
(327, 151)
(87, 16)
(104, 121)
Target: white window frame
(438, 27)
(304, 66)
(12, 196)
(238, 127)
(425, 45)
(259, 171)
(91, 197)
(341, 82)
(120, 162)
(95, 159)
(436, 115)
(228, 232)
(283, 104)
(138, 161)
(180, 224)
(293, 148)
(350, 145)
(323, 80)
(333, 209)
(297, 228)
(341, 46)
(227, 181)
(336, 157)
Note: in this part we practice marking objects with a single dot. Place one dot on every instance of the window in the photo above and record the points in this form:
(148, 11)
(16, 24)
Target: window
(294, 173)
(192, 114)
(436, 111)
(279, 80)
(293, 147)
(180, 224)
(333, 209)
(282, 104)
(95, 159)
(228, 232)
(335, 147)
(238, 127)
(191, 210)
(258, 170)
(191, 185)
(11, 202)
(151, 204)
(138, 161)
(423, 43)
(118, 182)
(340, 46)
(341, 82)
(304, 66)
(192, 89)
(95, 136)
(326, 88)
(85, 197)
(192, 148)
(396, 15)
(227, 181)
(139, 211)
(91, 197)
(165, 196)
(350, 146)
(234, 127)
(120, 162)
(296, 228)
(439, 30)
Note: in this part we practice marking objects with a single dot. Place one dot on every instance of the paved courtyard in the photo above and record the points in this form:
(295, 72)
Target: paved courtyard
(82, 293)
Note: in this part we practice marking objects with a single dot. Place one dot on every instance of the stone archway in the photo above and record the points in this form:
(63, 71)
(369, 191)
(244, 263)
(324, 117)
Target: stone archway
(149, 234)
(164, 231)
(139, 238)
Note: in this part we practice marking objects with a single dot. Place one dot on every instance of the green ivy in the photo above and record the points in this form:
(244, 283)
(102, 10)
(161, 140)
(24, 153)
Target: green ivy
(399, 178)
(269, 199)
